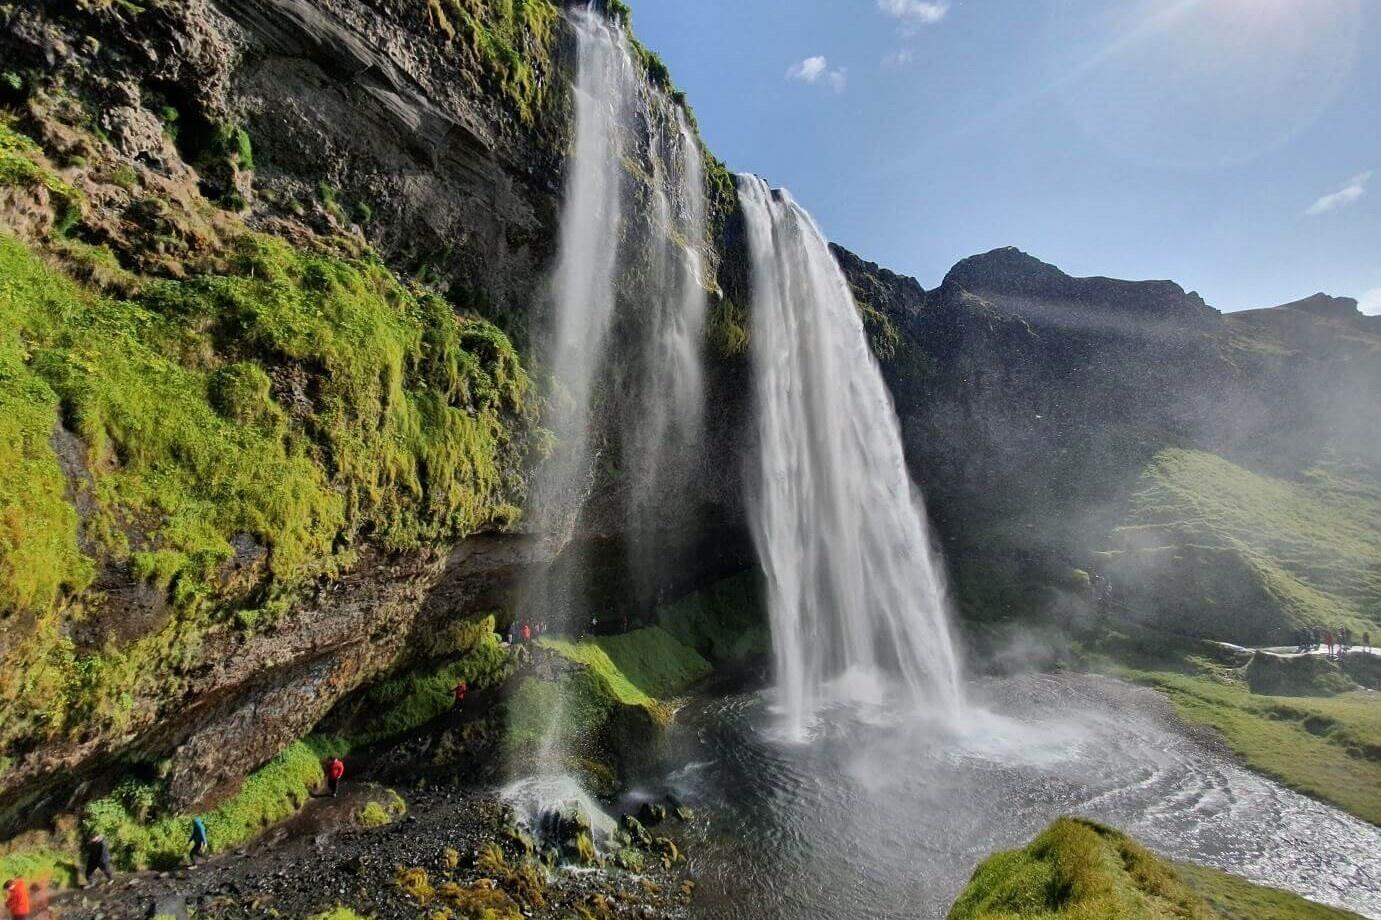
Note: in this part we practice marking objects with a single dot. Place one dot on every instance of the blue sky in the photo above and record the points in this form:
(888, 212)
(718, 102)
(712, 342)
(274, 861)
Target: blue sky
(1233, 146)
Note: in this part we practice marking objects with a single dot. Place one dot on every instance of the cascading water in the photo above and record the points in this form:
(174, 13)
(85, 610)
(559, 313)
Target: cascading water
(583, 285)
(663, 427)
(583, 296)
(854, 590)
(633, 218)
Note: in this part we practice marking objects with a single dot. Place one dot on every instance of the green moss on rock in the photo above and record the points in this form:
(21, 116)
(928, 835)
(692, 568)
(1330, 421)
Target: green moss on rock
(1079, 869)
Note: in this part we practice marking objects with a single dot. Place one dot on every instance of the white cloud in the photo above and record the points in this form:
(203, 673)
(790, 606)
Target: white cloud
(809, 70)
(1370, 302)
(817, 69)
(897, 59)
(1355, 188)
(915, 13)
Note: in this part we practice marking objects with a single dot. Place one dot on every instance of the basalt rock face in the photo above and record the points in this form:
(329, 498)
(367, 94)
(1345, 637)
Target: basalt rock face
(342, 125)
(1038, 409)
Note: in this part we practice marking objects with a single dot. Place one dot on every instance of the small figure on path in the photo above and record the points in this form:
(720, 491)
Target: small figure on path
(1366, 640)
(527, 633)
(17, 899)
(199, 841)
(459, 692)
(335, 770)
(97, 858)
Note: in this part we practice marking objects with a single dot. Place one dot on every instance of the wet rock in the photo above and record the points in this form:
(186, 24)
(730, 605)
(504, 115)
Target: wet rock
(635, 829)
(652, 814)
(667, 849)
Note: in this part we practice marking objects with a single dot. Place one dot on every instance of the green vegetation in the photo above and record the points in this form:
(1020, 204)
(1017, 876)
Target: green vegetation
(1080, 870)
(725, 623)
(22, 165)
(608, 700)
(1221, 551)
(512, 40)
(635, 668)
(409, 436)
(1237, 899)
(1327, 747)
(139, 838)
(470, 651)
(339, 912)
(727, 328)
(378, 814)
(47, 866)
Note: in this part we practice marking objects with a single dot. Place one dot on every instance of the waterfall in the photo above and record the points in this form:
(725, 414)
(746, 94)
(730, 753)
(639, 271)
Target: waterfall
(854, 588)
(622, 350)
(583, 284)
(663, 424)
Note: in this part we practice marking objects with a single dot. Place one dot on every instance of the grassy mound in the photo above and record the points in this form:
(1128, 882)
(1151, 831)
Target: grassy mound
(607, 698)
(1079, 869)
(725, 623)
(1216, 550)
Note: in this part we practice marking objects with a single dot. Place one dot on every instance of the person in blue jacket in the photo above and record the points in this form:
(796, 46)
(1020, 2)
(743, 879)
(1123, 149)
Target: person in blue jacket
(199, 841)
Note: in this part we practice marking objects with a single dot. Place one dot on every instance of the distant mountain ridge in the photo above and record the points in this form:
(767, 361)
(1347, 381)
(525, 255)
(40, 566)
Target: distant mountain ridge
(1063, 425)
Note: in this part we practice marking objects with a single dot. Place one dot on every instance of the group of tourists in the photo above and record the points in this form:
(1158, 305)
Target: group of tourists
(1338, 642)
(525, 632)
(28, 901)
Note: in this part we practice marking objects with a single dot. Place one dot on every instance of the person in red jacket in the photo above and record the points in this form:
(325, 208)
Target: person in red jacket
(527, 633)
(335, 769)
(459, 691)
(17, 899)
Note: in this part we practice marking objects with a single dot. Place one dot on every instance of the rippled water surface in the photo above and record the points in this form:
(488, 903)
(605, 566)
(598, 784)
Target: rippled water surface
(876, 821)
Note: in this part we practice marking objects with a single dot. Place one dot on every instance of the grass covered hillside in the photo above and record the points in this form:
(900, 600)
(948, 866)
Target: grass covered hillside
(1214, 549)
(190, 440)
(1080, 870)
(1312, 724)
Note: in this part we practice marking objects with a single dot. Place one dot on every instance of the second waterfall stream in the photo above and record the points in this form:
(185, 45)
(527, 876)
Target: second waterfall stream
(855, 593)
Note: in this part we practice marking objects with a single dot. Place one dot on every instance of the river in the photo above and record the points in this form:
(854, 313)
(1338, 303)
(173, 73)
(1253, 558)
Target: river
(872, 819)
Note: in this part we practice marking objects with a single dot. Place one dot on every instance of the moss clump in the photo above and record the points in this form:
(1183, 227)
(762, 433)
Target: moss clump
(139, 839)
(22, 165)
(339, 912)
(470, 651)
(415, 883)
(727, 328)
(379, 814)
(1079, 869)
(512, 40)
(638, 667)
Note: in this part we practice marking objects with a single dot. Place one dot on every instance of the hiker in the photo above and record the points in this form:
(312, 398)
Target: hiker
(527, 633)
(459, 691)
(335, 769)
(512, 633)
(199, 841)
(1366, 640)
(17, 899)
(97, 857)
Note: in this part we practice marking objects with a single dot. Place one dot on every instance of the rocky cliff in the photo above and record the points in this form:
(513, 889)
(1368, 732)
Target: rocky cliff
(266, 267)
(1218, 471)
(274, 275)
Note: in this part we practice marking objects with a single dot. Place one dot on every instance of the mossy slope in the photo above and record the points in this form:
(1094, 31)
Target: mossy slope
(1215, 549)
(1080, 870)
(212, 444)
